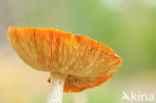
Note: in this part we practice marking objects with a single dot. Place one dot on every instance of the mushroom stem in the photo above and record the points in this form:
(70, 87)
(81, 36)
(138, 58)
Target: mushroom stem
(56, 89)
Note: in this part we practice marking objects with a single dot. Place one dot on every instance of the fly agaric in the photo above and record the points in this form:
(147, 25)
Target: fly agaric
(74, 62)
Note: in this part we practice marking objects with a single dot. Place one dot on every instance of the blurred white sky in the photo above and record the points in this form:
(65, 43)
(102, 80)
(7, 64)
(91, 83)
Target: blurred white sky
(150, 3)
(118, 5)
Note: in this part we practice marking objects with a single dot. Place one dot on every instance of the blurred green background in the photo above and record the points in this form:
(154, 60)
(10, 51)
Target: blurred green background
(127, 26)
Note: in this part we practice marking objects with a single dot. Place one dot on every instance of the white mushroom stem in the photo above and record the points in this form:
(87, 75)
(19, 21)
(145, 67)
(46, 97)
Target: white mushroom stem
(56, 89)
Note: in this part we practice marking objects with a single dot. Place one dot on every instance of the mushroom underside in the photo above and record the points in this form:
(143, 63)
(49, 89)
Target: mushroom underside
(78, 84)
(85, 62)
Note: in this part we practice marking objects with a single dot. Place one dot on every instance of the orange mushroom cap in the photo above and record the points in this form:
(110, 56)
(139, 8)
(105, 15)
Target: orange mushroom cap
(85, 62)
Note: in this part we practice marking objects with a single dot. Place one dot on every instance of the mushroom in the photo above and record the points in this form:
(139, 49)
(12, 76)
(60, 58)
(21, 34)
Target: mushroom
(74, 62)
